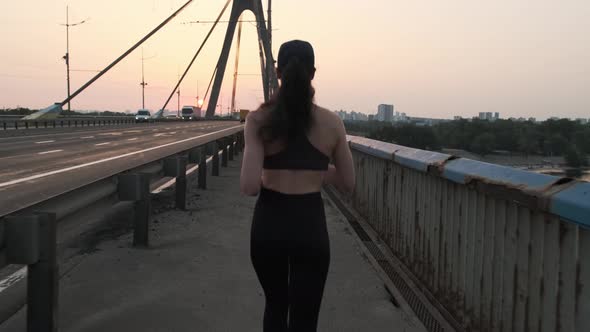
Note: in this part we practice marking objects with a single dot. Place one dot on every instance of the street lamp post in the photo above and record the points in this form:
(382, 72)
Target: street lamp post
(67, 56)
(143, 82)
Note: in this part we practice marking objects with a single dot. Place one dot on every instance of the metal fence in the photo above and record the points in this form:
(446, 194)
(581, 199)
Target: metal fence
(29, 236)
(7, 123)
(500, 249)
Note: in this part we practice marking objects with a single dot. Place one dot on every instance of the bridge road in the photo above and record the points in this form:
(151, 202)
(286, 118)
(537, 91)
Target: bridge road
(197, 275)
(34, 167)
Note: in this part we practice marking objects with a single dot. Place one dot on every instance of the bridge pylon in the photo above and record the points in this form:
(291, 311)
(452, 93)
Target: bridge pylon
(270, 81)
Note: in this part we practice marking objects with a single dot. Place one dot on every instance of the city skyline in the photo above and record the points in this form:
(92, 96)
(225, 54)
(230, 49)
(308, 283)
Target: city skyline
(431, 60)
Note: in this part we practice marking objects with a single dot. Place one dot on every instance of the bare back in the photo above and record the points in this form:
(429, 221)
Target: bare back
(327, 134)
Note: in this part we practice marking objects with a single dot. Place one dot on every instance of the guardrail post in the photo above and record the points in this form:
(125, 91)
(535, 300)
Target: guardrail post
(15, 124)
(224, 154)
(31, 240)
(232, 150)
(45, 124)
(62, 123)
(26, 124)
(69, 123)
(54, 123)
(4, 125)
(36, 125)
(135, 187)
(176, 167)
(202, 181)
(75, 123)
(215, 170)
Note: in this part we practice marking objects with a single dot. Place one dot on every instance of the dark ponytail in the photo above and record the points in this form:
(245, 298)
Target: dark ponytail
(290, 109)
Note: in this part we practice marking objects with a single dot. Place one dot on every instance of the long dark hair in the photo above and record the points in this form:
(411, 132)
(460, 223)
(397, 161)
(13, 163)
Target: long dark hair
(290, 108)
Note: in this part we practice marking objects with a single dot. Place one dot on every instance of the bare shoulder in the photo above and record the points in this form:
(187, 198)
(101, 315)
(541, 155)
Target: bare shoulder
(328, 118)
(259, 116)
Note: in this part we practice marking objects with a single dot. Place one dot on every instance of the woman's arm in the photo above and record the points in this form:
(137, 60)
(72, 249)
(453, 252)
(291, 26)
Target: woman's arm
(251, 175)
(341, 174)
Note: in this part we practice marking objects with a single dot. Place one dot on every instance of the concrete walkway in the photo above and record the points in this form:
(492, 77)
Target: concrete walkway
(197, 275)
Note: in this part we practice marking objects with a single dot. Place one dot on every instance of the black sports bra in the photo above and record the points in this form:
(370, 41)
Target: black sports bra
(299, 154)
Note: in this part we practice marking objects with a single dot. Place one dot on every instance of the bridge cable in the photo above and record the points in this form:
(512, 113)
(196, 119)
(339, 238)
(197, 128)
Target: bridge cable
(104, 71)
(210, 83)
(196, 54)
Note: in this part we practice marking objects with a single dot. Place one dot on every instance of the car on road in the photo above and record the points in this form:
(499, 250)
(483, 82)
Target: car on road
(191, 113)
(142, 116)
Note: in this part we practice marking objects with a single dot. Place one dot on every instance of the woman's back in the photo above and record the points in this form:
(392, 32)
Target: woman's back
(295, 167)
(290, 141)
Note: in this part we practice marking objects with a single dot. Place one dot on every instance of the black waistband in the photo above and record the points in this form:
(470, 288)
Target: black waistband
(272, 194)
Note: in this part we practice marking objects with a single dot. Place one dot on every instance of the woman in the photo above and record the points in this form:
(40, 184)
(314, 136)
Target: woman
(289, 144)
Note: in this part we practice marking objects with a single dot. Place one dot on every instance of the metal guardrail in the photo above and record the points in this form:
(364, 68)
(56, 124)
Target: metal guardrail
(28, 236)
(7, 124)
(80, 121)
(497, 248)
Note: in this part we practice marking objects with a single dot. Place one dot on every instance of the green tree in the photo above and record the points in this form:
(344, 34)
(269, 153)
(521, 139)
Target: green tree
(483, 144)
(555, 145)
(528, 143)
(575, 158)
(581, 139)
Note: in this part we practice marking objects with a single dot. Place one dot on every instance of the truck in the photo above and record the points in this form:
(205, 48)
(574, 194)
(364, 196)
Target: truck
(243, 115)
(190, 113)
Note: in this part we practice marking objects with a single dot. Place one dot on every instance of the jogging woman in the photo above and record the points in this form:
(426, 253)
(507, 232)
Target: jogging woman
(290, 143)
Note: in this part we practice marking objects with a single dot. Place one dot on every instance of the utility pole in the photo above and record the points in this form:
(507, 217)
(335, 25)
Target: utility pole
(178, 93)
(178, 111)
(143, 82)
(67, 56)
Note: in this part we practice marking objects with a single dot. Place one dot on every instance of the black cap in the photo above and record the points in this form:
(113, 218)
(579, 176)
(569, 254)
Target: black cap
(299, 49)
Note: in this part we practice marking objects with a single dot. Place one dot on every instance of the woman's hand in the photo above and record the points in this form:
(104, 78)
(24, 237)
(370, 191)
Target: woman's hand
(331, 175)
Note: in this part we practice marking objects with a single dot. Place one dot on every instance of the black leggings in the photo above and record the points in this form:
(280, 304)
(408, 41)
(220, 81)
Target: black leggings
(290, 251)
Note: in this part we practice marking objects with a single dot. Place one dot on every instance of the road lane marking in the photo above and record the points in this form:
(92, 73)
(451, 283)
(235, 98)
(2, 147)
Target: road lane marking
(71, 168)
(44, 142)
(133, 131)
(99, 144)
(52, 151)
(86, 137)
(133, 139)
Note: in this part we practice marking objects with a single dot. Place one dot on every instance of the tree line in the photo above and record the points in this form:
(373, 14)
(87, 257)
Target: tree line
(562, 137)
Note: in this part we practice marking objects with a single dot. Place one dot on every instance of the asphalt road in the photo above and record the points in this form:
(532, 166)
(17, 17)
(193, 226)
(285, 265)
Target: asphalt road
(38, 166)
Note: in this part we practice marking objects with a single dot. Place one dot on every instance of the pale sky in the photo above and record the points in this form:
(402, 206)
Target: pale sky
(428, 58)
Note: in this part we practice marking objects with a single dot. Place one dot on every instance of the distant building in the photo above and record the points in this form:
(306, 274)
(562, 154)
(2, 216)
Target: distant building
(371, 117)
(489, 116)
(531, 119)
(457, 118)
(582, 120)
(385, 113)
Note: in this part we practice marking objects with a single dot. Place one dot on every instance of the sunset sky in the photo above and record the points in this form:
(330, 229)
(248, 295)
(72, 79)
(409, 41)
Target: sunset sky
(428, 58)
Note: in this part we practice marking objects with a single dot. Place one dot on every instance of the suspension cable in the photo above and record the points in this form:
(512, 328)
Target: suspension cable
(196, 55)
(210, 82)
(104, 71)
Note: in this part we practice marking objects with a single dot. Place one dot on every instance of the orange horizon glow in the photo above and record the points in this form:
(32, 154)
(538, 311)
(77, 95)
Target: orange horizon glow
(430, 59)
